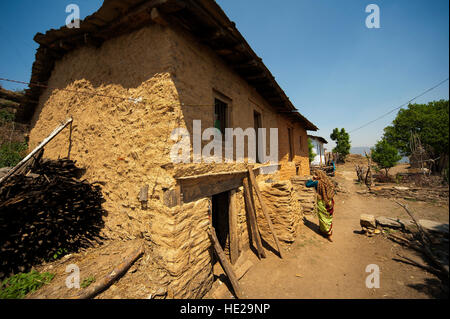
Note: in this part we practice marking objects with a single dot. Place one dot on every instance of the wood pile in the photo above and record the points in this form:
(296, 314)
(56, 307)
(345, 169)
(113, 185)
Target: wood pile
(46, 210)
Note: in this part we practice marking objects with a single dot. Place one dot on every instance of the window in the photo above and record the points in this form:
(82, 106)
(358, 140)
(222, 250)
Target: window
(291, 146)
(220, 115)
(257, 125)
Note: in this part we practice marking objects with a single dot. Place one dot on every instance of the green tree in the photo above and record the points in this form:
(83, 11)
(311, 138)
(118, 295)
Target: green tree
(385, 155)
(312, 155)
(342, 139)
(429, 121)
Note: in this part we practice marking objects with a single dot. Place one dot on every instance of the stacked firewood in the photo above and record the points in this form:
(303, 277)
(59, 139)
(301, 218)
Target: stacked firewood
(45, 213)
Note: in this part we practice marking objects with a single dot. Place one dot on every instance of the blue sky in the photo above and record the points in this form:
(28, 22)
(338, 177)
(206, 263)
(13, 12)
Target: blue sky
(335, 70)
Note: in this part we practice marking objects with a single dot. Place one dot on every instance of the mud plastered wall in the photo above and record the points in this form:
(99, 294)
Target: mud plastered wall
(300, 159)
(214, 79)
(123, 144)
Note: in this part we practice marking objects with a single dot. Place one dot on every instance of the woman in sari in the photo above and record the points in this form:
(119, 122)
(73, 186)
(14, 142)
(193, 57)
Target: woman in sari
(325, 202)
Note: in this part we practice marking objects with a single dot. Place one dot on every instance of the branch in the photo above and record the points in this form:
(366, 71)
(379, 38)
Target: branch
(426, 248)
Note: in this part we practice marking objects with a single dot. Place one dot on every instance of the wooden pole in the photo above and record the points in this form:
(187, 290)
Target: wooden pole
(37, 149)
(233, 224)
(252, 220)
(225, 263)
(70, 140)
(264, 208)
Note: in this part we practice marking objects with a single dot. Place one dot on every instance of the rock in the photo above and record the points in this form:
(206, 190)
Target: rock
(433, 226)
(407, 224)
(367, 221)
(388, 222)
(401, 188)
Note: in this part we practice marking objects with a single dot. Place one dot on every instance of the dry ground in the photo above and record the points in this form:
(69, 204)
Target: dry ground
(312, 267)
(316, 268)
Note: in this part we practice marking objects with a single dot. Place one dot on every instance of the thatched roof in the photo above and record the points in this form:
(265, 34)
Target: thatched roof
(203, 18)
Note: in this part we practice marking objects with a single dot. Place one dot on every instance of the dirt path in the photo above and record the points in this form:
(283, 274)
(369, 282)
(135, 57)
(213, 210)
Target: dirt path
(316, 268)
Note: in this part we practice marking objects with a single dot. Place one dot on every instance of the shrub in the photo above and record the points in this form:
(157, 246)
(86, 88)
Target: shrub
(385, 155)
(19, 285)
(311, 153)
(6, 116)
(12, 153)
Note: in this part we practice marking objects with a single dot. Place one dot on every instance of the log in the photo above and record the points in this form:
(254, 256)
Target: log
(227, 267)
(416, 263)
(256, 237)
(264, 208)
(108, 280)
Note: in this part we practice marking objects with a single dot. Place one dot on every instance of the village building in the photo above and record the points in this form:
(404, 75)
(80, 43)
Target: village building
(129, 76)
(318, 149)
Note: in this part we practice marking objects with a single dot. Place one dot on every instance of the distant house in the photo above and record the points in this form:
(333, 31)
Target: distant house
(318, 149)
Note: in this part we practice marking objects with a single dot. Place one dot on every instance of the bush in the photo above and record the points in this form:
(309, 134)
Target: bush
(311, 153)
(12, 153)
(6, 117)
(385, 155)
(19, 285)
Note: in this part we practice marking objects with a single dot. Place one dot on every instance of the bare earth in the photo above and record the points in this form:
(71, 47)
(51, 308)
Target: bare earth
(316, 268)
(312, 267)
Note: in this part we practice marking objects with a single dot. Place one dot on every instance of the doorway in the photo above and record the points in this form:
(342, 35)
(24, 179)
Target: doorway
(220, 217)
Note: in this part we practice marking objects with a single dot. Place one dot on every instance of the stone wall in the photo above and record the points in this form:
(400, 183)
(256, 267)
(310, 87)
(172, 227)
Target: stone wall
(284, 209)
(306, 196)
(181, 241)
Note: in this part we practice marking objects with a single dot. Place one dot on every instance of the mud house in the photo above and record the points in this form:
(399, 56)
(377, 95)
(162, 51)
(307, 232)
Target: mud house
(318, 149)
(132, 73)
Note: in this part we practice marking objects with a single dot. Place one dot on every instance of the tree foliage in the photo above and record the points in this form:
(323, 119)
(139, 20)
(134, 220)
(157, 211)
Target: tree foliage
(312, 155)
(342, 139)
(385, 155)
(429, 121)
(12, 153)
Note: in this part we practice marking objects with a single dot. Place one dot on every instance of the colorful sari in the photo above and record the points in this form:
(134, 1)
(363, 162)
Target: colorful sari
(325, 213)
(325, 201)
